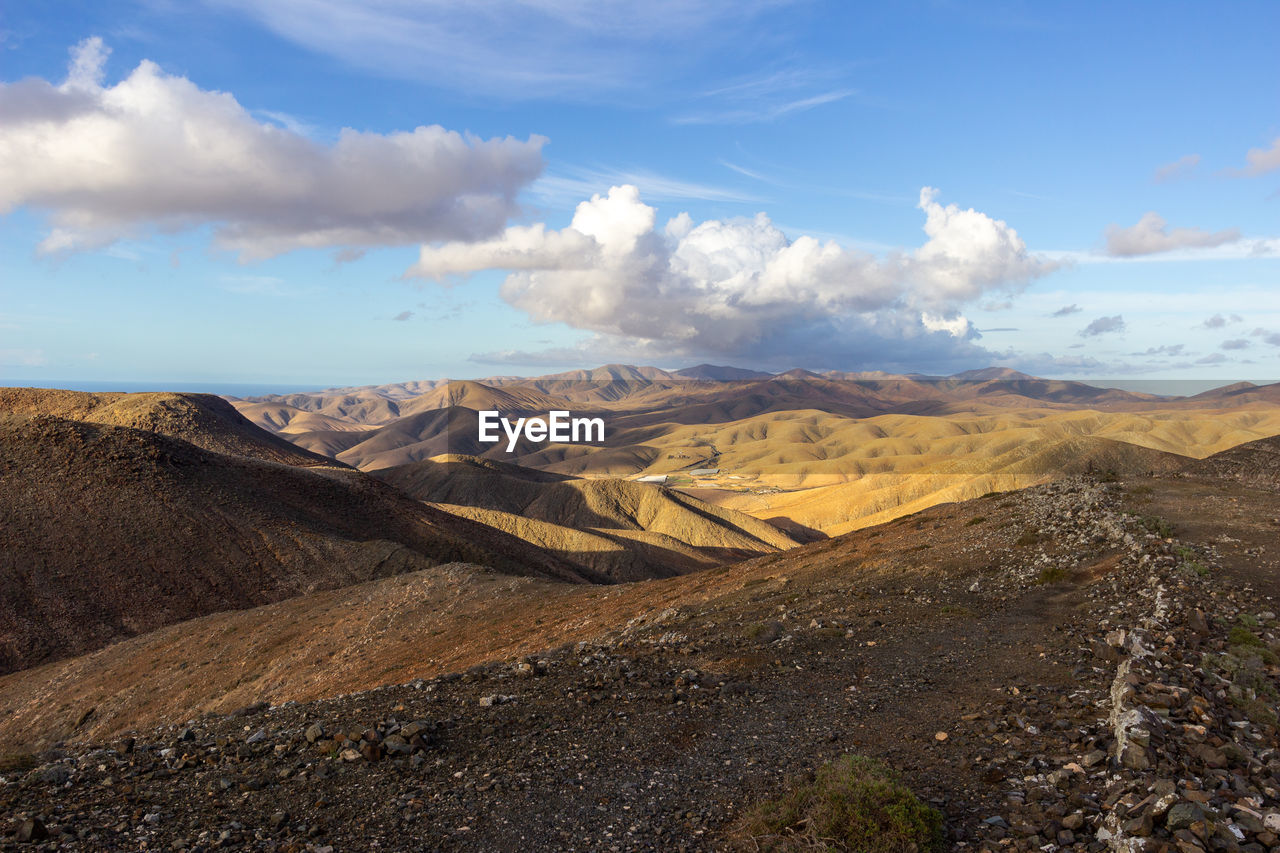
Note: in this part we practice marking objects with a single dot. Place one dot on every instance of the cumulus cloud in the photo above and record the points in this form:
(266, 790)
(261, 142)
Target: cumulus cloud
(1217, 321)
(156, 151)
(741, 287)
(1236, 343)
(1212, 358)
(1179, 168)
(1272, 338)
(1066, 311)
(1259, 161)
(403, 316)
(1167, 349)
(1152, 235)
(1103, 326)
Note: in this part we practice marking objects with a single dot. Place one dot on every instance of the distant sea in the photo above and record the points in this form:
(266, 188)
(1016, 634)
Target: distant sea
(226, 389)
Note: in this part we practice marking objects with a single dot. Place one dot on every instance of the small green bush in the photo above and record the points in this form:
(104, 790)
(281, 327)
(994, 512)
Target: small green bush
(1031, 537)
(977, 519)
(1241, 636)
(1051, 574)
(1155, 525)
(853, 804)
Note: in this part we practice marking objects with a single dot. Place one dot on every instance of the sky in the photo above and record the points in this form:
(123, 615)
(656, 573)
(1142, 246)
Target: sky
(311, 193)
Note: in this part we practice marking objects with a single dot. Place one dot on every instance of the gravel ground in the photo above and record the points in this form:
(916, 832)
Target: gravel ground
(1052, 669)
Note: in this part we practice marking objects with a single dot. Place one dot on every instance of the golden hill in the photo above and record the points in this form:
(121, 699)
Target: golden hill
(623, 529)
(899, 442)
(200, 419)
(447, 618)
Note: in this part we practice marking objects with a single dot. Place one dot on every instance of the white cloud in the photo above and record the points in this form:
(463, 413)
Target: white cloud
(1218, 321)
(1102, 326)
(1179, 168)
(1152, 235)
(154, 150)
(1262, 160)
(741, 287)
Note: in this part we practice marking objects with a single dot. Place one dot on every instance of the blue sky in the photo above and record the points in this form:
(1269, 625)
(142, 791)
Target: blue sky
(235, 191)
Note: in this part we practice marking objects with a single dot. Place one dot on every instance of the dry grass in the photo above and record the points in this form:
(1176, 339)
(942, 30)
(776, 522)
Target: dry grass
(851, 804)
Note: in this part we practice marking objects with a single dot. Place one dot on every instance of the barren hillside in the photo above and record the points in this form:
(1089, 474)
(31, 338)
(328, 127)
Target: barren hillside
(112, 531)
(1074, 666)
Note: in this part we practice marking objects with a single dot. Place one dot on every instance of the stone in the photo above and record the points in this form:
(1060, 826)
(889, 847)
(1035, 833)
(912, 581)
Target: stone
(1198, 623)
(314, 732)
(1182, 816)
(257, 737)
(32, 829)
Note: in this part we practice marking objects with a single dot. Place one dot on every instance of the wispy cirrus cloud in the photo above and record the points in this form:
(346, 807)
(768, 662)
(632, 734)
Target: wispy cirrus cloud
(762, 112)
(514, 48)
(766, 97)
(569, 184)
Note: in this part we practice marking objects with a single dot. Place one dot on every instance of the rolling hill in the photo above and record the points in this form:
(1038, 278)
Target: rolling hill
(623, 529)
(201, 419)
(110, 531)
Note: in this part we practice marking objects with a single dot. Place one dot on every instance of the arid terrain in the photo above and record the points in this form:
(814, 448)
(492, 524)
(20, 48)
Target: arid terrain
(1085, 658)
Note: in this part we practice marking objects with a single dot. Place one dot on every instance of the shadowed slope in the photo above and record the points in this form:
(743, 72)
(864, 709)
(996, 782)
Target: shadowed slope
(200, 419)
(111, 531)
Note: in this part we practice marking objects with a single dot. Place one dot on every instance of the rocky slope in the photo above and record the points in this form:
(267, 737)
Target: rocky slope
(204, 420)
(1086, 665)
(111, 531)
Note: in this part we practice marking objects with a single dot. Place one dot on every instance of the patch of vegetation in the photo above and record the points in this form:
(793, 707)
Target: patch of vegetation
(1248, 620)
(977, 519)
(1193, 567)
(830, 632)
(1242, 636)
(924, 547)
(1250, 690)
(11, 762)
(959, 610)
(1140, 491)
(852, 803)
(1031, 537)
(1051, 574)
(1156, 525)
